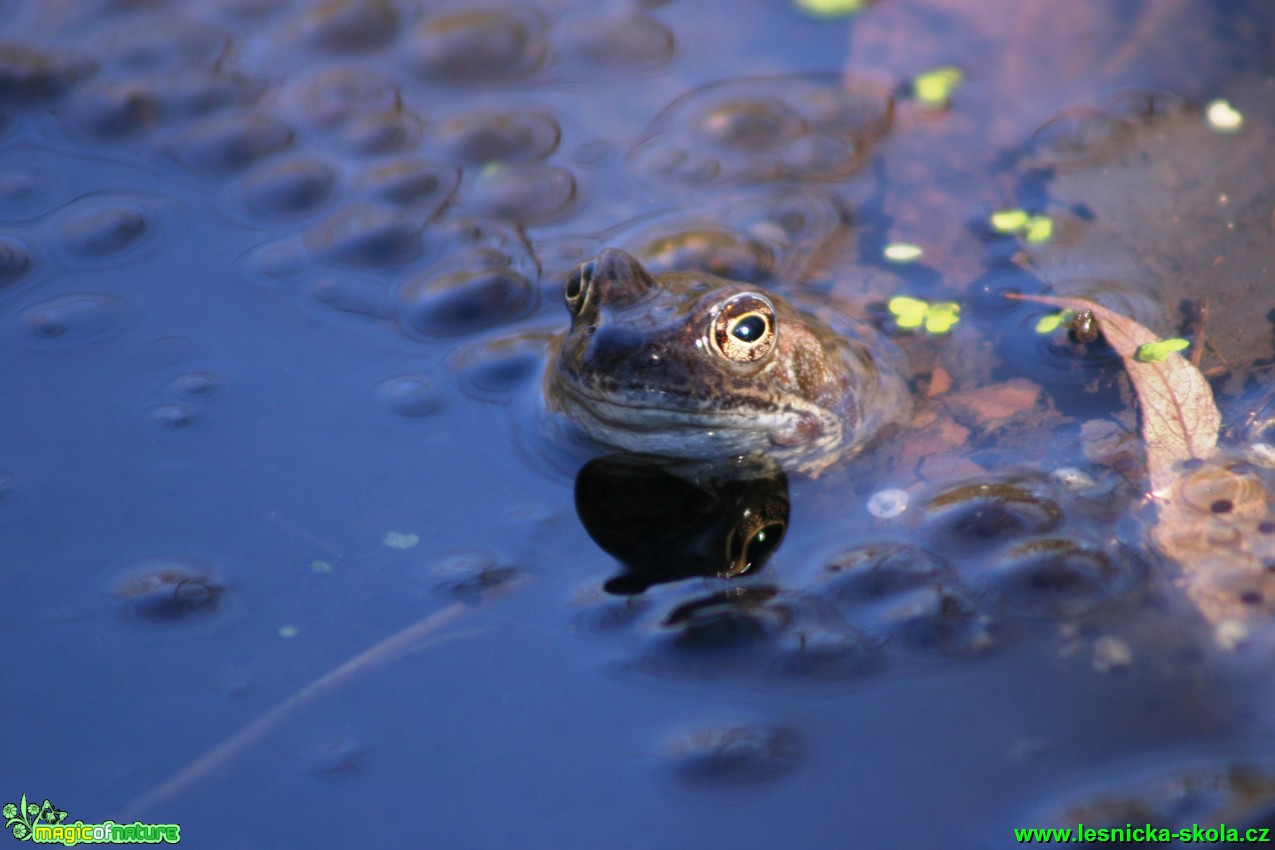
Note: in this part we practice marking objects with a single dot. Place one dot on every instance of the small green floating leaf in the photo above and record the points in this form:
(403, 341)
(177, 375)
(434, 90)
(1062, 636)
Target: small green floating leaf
(288, 631)
(830, 9)
(933, 89)
(902, 252)
(908, 312)
(1052, 322)
(1040, 229)
(1223, 117)
(397, 540)
(938, 318)
(321, 567)
(942, 317)
(1009, 221)
(1158, 352)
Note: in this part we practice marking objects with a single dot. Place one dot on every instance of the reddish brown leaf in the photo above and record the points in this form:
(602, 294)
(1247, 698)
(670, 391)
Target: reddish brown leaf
(1180, 419)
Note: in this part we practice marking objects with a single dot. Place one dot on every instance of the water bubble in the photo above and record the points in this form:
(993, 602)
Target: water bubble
(975, 515)
(734, 755)
(354, 295)
(888, 504)
(28, 75)
(73, 319)
(382, 132)
(367, 235)
(421, 184)
(409, 395)
(332, 97)
(232, 142)
(827, 654)
(1078, 137)
(289, 186)
(462, 302)
(633, 40)
(113, 108)
(875, 570)
(195, 385)
(94, 228)
(1057, 577)
(168, 590)
(346, 26)
(747, 130)
(477, 138)
(749, 125)
(527, 193)
(481, 46)
(173, 415)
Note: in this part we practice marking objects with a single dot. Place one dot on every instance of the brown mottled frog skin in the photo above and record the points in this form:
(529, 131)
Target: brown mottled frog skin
(689, 366)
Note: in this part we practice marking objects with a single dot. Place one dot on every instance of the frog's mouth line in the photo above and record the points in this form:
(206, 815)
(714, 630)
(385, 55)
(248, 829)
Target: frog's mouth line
(648, 414)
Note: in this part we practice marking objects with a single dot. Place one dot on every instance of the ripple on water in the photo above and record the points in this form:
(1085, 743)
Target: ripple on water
(113, 108)
(749, 130)
(363, 234)
(480, 46)
(480, 137)
(167, 591)
(69, 320)
(729, 755)
(231, 142)
(349, 26)
(97, 227)
(175, 416)
(289, 186)
(195, 385)
(15, 259)
(409, 395)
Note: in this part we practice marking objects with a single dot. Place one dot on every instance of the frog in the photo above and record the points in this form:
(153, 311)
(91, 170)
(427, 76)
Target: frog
(691, 367)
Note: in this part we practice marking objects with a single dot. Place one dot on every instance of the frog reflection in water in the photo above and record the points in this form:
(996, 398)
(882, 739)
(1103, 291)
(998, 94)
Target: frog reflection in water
(689, 366)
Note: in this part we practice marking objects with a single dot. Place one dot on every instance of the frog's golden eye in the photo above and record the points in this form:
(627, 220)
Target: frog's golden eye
(577, 288)
(744, 328)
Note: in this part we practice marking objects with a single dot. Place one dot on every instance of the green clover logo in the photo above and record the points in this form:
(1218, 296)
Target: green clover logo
(20, 818)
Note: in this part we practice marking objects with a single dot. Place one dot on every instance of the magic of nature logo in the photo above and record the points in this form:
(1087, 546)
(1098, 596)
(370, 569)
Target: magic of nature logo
(45, 823)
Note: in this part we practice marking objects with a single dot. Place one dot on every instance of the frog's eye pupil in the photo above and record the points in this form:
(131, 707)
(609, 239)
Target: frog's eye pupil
(743, 329)
(749, 329)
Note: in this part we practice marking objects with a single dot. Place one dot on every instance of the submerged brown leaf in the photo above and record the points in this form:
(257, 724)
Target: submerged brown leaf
(1180, 419)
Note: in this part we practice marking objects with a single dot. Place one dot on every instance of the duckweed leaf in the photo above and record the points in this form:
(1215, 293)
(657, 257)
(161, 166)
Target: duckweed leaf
(909, 312)
(1180, 419)
(1157, 352)
(1009, 221)
(933, 89)
(902, 252)
(1053, 321)
(1040, 229)
(398, 540)
(828, 9)
(938, 318)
